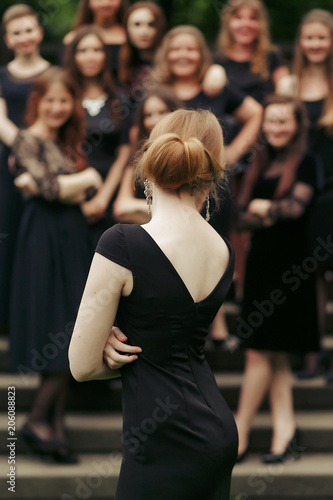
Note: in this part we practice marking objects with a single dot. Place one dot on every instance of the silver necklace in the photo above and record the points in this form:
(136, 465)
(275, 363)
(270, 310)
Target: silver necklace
(94, 106)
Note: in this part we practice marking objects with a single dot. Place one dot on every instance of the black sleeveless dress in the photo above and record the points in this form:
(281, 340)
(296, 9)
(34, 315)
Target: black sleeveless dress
(179, 436)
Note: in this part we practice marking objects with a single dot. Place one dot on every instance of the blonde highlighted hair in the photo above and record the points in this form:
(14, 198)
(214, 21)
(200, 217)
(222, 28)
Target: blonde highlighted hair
(262, 45)
(184, 152)
(300, 62)
(161, 71)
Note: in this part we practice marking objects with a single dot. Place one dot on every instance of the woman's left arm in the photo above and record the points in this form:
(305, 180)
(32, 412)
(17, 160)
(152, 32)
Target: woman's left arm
(106, 282)
(95, 208)
(290, 207)
(250, 114)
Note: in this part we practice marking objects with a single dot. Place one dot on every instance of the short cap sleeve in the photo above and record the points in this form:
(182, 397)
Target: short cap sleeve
(112, 245)
(309, 171)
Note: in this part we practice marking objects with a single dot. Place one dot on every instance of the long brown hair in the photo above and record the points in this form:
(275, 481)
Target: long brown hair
(161, 69)
(165, 94)
(129, 58)
(85, 14)
(104, 79)
(262, 45)
(300, 62)
(290, 159)
(71, 134)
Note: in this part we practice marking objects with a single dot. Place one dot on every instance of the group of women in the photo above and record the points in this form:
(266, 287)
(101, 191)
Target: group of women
(69, 134)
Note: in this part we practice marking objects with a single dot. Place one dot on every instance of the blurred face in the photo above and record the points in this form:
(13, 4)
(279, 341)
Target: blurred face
(154, 110)
(316, 42)
(104, 9)
(184, 56)
(141, 29)
(244, 26)
(90, 56)
(23, 35)
(279, 125)
(55, 107)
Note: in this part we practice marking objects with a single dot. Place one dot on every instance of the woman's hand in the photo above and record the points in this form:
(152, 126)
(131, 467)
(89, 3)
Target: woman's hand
(26, 183)
(94, 177)
(259, 207)
(214, 81)
(94, 209)
(114, 345)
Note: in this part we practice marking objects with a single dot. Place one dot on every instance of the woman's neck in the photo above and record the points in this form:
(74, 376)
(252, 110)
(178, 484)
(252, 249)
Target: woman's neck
(92, 88)
(315, 70)
(168, 204)
(146, 54)
(105, 23)
(26, 65)
(239, 52)
(41, 130)
(186, 88)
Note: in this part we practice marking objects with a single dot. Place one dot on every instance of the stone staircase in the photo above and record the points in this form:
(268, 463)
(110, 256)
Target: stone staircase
(94, 428)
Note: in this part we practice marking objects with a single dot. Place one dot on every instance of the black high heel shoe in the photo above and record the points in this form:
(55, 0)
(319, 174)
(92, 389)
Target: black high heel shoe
(63, 454)
(35, 444)
(292, 450)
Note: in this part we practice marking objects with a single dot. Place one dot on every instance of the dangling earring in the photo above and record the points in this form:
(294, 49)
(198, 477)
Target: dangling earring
(207, 208)
(148, 194)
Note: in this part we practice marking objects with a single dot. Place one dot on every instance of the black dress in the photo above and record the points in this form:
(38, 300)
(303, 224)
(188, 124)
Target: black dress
(222, 106)
(279, 303)
(51, 263)
(103, 139)
(15, 92)
(321, 216)
(240, 76)
(179, 436)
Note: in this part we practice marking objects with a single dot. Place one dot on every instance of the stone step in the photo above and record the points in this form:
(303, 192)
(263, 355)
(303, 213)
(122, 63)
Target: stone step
(315, 394)
(95, 477)
(101, 433)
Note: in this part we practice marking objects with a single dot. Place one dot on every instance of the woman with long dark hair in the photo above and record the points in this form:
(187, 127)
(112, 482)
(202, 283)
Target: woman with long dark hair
(279, 313)
(107, 142)
(53, 253)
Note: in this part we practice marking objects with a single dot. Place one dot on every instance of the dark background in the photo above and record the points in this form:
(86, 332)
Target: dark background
(56, 16)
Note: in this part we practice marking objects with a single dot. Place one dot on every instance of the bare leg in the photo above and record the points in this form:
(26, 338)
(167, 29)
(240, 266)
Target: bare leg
(50, 389)
(281, 400)
(257, 379)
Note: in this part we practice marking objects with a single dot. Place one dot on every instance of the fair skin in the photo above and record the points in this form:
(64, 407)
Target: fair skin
(175, 226)
(126, 207)
(267, 371)
(54, 109)
(90, 60)
(184, 62)
(142, 31)
(23, 36)
(244, 29)
(104, 16)
(316, 44)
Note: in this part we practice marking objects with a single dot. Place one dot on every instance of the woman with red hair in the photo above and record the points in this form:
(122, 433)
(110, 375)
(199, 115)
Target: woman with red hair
(52, 255)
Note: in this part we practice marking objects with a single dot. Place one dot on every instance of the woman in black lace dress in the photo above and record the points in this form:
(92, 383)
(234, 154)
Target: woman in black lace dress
(52, 253)
(279, 313)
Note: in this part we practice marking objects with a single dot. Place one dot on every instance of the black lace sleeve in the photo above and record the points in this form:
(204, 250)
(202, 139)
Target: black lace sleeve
(30, 157)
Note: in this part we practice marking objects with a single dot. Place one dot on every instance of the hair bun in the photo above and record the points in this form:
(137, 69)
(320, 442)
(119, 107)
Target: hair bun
(171, 162)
